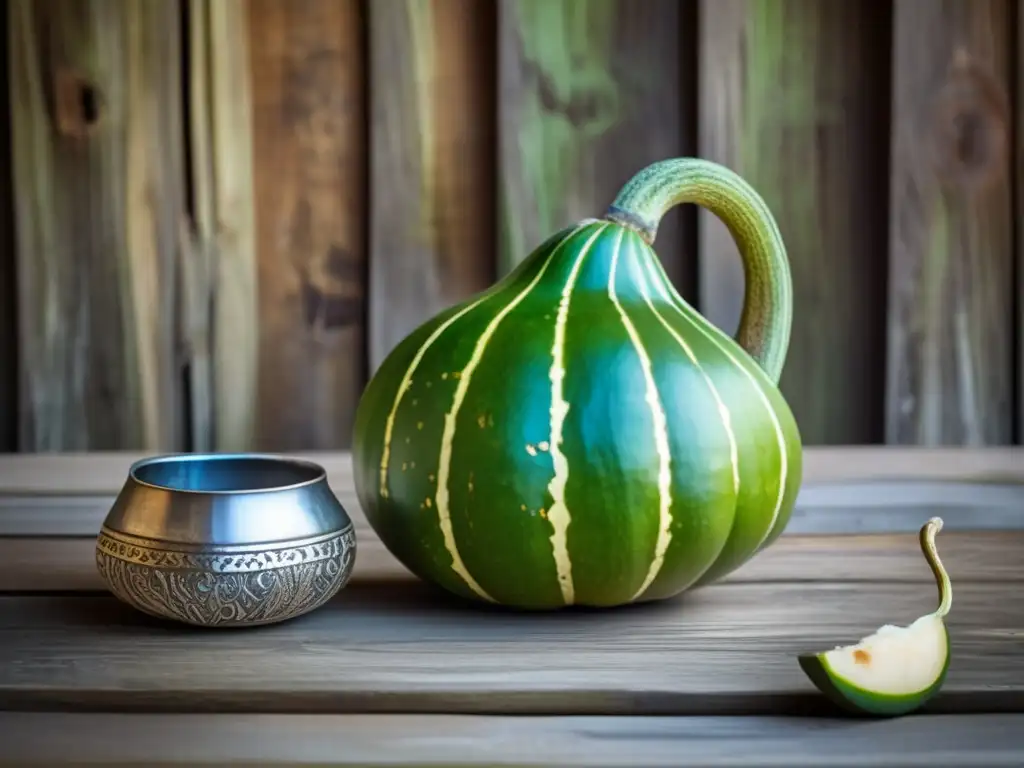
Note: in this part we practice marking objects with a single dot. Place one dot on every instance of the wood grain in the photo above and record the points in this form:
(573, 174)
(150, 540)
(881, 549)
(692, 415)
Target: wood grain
(400, 647)
(1019, 239)
(52, 505)
(938, 741)
(826, 508)
(103, 472)
(308, 74)
(220, 311)
(35, 563)
(8, 285)
(98, 168)
(790, 99)
(591, 91)
(951, 250)
(432, 112)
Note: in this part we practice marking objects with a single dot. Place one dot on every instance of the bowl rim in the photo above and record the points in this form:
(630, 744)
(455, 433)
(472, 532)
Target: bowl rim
(209, 456)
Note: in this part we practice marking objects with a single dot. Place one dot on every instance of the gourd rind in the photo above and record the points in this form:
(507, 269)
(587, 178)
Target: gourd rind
(895, 670)
(577, 434)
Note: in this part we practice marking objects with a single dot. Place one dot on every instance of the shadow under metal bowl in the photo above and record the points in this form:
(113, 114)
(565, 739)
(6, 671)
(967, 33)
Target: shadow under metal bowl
(226, 539)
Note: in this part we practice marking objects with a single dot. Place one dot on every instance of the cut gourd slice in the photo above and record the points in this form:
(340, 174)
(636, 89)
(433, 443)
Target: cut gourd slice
(896, 669)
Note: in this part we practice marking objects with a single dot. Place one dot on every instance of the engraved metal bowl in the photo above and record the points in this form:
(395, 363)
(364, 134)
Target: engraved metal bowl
(226, 539)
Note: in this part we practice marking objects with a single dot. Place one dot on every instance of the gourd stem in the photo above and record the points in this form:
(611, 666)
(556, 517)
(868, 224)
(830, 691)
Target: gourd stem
(931, 554)
(768, 305)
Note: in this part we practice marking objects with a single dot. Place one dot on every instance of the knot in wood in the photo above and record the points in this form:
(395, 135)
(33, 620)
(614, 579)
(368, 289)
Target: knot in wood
(970, 128)
(331, 291)
(589, 102)
(77, 104)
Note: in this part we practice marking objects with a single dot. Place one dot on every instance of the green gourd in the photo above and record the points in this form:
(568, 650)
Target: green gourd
(578, 434)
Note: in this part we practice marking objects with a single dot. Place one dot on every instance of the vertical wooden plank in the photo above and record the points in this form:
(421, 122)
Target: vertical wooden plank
(197, 258)
(220, 309)
(432, 206)
(1019, 230)
(8, 290)
(97, 151)
(794, 97)
(591, 91)
(308, 74)
(951, 274)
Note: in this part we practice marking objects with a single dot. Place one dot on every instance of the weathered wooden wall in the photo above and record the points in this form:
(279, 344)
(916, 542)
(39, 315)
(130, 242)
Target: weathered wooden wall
(221, 216)
(794, 96)
(951, 245)
(8, 293)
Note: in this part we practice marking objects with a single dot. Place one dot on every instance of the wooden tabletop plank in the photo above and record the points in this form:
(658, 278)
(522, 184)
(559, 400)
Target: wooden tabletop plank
(980, 741)
(399, 647)
(884, 506)
(103, 472)
(51, 507)
(46, 564)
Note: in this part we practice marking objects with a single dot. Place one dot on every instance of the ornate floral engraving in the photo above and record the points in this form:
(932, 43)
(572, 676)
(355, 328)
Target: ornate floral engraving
(240, 586)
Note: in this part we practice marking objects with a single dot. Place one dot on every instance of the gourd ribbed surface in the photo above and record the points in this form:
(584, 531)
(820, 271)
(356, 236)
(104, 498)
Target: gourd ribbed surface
(575, 435)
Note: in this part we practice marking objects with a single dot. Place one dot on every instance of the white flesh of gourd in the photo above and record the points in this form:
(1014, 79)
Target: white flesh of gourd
(893, 660)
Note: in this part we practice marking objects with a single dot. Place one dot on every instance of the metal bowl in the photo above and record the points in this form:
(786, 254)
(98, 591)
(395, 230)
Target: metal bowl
(226, 539)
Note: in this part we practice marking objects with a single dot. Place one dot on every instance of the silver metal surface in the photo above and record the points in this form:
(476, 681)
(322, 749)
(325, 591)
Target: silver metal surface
(226, 539)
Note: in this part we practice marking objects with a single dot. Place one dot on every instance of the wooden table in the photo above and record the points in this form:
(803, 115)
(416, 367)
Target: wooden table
(391, 673)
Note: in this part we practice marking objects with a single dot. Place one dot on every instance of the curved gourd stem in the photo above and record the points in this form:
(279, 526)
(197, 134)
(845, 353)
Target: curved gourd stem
(928, 532)
(768, 301)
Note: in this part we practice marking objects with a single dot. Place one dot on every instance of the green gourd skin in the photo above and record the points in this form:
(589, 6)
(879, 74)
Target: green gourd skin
(577, 434)
(854, 700)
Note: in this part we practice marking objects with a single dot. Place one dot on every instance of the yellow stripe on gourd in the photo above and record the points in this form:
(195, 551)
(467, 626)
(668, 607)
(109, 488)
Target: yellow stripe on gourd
(448, 435)
(661, 443)
(779, 434)
(723, 411)
(558, 514)
(406, 382)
